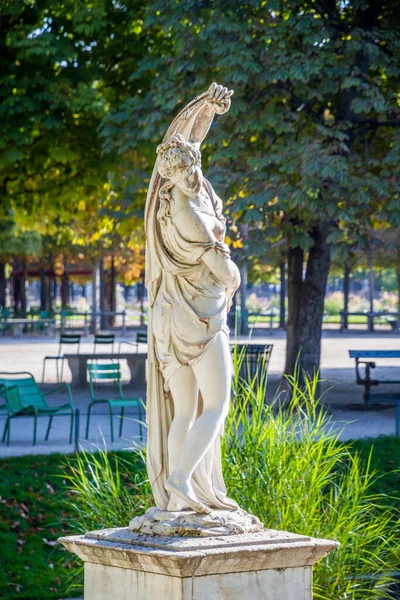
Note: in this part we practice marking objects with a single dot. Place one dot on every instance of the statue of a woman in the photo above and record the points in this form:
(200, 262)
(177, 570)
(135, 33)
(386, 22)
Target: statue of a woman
(190, 279)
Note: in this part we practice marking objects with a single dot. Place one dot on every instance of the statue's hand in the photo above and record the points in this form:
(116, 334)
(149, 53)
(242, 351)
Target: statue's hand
(220, 98)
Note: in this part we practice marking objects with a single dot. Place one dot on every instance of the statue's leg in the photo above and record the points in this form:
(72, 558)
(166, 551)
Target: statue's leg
(213, 375)
(185, 394)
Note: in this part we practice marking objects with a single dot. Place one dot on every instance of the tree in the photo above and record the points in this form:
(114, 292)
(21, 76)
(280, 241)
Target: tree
(64, 65)
(310, 146)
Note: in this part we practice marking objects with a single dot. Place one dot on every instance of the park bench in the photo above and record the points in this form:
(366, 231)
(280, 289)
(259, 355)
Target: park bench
(363, 357)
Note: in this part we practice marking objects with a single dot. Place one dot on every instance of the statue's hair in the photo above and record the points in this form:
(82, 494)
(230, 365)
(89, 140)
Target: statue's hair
(176, 153)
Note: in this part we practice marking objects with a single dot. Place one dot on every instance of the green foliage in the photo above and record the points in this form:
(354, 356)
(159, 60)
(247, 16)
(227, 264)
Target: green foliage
(65, 65)
(311, 135)
(107, 489)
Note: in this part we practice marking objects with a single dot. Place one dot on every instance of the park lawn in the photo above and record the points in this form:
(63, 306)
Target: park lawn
(34, 512)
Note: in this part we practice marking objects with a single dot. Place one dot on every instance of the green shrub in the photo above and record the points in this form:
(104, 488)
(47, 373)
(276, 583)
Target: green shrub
(333, 303)
(107, 489)
(287, 466)
(284, 464)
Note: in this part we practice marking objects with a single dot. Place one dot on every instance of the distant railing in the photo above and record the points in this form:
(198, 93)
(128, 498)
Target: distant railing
(89, 316)
(267, 316)
(392, 318)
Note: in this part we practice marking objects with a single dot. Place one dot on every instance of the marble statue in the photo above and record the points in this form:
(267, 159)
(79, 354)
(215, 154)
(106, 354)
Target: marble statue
(191, 280)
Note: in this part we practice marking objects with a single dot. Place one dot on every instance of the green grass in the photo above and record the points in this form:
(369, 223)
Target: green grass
(32, 516)
(35, 507)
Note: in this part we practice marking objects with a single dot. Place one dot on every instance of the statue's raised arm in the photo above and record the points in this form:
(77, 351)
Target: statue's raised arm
(194, 121)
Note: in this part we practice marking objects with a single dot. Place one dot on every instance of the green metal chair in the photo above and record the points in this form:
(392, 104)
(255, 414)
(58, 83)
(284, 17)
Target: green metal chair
(24, 398)
(111, 372)
(104, 339)
(141, 338)
(70, 339)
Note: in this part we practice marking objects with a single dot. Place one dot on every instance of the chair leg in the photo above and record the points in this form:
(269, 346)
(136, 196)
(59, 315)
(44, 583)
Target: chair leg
(34, 429)
(71, 428)
(88, 420)
(62, 370)
(140, 423)
(8, 431)
(48, 428)
(111, 423)
(44, 370)
(121, 416)
(5, 429)
(57, 372)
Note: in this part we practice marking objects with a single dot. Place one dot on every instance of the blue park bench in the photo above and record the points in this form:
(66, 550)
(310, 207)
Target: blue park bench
(363, 357)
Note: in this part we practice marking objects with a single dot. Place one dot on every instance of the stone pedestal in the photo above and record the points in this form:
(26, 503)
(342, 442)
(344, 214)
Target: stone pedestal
(268, 565)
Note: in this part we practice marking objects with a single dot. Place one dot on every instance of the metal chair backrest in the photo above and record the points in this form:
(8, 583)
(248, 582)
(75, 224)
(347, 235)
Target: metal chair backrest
(101, 339)
(255, 356)
(106, 371)
(12, 398)
(141, 338)
(69, 339)
(21, 392)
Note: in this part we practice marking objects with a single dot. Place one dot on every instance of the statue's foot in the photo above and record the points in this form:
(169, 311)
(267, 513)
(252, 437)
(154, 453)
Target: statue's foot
(176, 504)
(184, 490)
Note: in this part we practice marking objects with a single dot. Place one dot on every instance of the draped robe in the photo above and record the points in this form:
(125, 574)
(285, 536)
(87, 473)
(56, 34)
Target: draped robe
(180, 287)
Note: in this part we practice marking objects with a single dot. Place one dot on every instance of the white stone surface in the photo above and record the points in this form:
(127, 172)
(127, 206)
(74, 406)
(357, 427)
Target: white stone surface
(195, 557)
(190, 523)
(105, 583)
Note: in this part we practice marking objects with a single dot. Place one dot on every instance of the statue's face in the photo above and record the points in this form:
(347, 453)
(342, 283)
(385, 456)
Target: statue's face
(189, 180)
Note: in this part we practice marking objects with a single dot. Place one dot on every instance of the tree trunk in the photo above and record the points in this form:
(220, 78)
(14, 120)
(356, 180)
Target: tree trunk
(50, 291)
(2, 285)
(49, 294)
(398, 288)
(23, 282)
(371, 285)
(103, 318)
(42, 276)
(306, 303)
(294, 285)
(346, 294)
(16, 290)
(64, 291)
(113, 295)
(312, 300)
(95, 290)
(282, 308)
(244, 314)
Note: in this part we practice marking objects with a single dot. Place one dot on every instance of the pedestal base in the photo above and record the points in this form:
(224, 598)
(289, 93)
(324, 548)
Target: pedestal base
(122, 584)
(268, 565)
